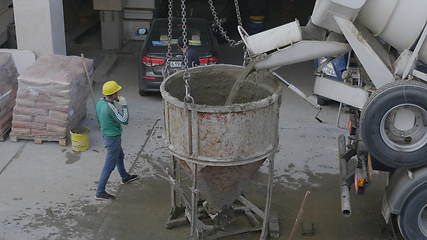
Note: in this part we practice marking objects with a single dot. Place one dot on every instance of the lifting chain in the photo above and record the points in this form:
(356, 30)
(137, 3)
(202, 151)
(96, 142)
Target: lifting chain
(231, 42)
(237, 8)
(240, 23)
(246, 56)
(186, 75)
(165, 70)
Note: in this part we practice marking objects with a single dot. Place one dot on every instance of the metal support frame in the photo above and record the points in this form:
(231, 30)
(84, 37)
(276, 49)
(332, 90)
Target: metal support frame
(420, 75)
(194, 206)
(186, 207)
(267, 210)
(177, 200)
(184, 211)
(414, 56)
(340, 92)
(185, 204)
(374, 66)
(344, 157)
(309, 99)
(348, 177)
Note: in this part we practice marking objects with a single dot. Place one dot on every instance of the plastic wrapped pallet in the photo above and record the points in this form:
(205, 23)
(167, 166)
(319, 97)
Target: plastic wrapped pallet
(51, 97)
(8, 87)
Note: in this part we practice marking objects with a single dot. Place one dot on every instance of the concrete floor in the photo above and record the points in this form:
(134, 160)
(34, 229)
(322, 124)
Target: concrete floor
(47, 191)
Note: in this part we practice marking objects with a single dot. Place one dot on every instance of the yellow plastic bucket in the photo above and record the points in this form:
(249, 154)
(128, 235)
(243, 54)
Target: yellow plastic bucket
(79, 139)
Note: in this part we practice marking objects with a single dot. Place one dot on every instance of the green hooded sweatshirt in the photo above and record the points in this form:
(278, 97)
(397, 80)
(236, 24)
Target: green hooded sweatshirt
(110, 118)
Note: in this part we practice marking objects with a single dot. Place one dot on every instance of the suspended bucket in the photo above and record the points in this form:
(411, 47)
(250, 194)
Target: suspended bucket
(271, 39)
(230, 142)
(79, 139)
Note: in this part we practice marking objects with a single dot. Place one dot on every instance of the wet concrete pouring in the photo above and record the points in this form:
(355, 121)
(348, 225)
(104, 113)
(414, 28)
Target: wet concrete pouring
(47, 190)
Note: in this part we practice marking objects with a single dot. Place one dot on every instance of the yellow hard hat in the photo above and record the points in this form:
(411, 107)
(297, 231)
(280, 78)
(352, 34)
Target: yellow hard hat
(110, 87)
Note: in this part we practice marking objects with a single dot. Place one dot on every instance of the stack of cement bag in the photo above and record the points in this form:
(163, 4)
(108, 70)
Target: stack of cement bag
(8, 87)
(52, 96)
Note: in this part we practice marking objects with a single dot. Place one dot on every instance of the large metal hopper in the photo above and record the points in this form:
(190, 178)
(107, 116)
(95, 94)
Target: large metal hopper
(219, 146)
(221, 186)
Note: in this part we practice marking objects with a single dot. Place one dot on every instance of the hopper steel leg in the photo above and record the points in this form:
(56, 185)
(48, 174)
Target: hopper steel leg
(173, 192)
(265, 227)
(175, 218)
(194, 207)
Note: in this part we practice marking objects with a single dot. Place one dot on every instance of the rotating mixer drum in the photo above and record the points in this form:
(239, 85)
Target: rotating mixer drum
(228, 143)
(397, 22)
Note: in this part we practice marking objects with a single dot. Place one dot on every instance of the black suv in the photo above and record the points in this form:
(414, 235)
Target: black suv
(154, 50)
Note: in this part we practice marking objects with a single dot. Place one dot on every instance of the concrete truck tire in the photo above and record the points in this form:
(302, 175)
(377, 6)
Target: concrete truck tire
(394, 124)
(412, 220)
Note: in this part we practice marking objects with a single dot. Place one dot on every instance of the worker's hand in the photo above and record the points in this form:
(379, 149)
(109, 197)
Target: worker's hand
(122, 101)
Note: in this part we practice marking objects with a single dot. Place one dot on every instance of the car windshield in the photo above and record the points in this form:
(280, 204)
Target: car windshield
(198, 35)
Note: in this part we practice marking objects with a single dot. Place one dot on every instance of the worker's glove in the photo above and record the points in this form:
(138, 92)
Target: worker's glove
(122, 101)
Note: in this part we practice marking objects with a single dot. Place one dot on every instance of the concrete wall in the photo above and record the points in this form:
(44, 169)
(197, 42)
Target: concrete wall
(40, 26)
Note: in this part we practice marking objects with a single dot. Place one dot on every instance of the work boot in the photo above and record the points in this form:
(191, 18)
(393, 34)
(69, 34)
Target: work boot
(129, 179)
(104, 196)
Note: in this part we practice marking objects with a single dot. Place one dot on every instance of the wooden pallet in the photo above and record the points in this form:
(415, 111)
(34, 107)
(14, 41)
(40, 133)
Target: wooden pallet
(3, 136)
(40, 139)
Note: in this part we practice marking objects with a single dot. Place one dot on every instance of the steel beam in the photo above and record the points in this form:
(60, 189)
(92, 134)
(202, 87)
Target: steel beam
(340, 92)
(374, 66)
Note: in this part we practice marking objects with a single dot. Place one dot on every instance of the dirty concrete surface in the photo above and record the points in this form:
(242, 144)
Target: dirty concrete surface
(47, 191)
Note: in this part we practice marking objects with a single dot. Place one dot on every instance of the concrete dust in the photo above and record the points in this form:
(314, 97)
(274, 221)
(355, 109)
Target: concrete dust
(78, 219)
(142, 209)
(323, 210)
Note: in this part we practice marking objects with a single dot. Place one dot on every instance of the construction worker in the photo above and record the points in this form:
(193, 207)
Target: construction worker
(110, 120)
(192, 56)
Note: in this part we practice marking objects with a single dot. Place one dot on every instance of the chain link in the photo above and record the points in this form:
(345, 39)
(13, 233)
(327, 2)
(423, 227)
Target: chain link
(170, 15)
(187, 74)
(165, 70)
(231, 42)
(246, 55)
(239, 18)
(240, 23)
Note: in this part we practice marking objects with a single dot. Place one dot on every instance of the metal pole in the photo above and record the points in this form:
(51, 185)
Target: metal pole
(173, 192)
(194, 200)
(299, 216)
(298, 91)
(344, 189)
(414, 56)
(266, 223)
(178, 180)
(89, 80)
(339, 117)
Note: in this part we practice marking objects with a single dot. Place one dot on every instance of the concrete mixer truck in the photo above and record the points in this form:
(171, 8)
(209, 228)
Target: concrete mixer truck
(385, 89)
